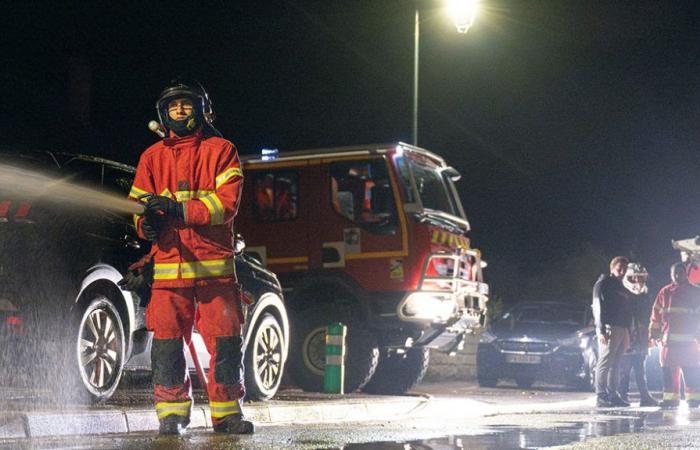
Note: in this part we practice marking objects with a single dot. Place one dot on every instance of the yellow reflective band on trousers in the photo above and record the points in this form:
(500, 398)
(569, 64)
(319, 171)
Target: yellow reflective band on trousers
(671, 396)
(226, 175)
(164, 409)
(194, 269)
(680, 338)
(223, 409)
(215, 207)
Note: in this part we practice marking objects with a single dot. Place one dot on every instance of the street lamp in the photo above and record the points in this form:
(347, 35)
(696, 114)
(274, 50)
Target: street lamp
(463, 13)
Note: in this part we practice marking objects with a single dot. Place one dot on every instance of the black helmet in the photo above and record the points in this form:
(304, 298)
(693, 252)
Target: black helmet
(202, 113)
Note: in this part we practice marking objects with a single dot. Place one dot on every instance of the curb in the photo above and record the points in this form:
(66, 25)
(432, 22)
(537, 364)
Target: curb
(33, 424)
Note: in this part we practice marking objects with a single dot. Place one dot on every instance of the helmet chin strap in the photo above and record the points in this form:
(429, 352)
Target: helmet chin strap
(184, 127)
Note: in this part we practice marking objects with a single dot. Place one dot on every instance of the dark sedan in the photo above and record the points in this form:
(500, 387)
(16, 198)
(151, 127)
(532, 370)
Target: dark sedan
(536, 341)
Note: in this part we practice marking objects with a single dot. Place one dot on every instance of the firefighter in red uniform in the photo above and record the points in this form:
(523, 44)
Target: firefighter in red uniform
(190, 183)
(674, 323)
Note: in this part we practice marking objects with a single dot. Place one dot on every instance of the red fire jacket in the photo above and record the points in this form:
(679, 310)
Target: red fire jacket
(674, 320)
(205, 174)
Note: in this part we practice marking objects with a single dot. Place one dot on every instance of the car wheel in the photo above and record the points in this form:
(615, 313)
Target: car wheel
(398, 373)
(309, 344)
(524, 382)
(264, 359)
(99, 349)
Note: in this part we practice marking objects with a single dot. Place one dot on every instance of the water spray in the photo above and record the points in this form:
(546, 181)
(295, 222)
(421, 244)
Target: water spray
(36, 186)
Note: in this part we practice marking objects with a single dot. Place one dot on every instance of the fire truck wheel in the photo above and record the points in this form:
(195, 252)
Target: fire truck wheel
(399, 373)
(98, 349)
(309, 341)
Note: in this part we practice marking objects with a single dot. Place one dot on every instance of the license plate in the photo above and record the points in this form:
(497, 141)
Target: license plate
(524, 359)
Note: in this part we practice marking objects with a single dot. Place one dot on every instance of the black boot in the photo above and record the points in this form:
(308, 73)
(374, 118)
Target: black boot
(234, 424)
(648, 400)
(603, 401)
(173, 425)
(616, 400)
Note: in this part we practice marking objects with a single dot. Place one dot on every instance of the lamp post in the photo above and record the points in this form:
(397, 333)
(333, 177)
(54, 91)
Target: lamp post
(463, 13)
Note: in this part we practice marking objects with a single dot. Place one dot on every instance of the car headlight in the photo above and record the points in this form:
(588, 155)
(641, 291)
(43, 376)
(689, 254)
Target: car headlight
(572, 341)
(487, 337)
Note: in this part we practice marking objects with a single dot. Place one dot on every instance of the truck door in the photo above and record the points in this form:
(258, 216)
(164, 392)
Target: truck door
(273, 217)
(361, 230)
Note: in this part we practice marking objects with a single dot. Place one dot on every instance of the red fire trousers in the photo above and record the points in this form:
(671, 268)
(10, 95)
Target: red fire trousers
(218, 317)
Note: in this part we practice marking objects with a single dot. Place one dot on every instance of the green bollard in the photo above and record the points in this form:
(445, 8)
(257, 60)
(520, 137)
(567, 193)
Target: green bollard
(334, 372)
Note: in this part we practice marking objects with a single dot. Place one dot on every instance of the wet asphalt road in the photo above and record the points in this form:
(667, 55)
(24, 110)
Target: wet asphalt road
(570, 429)
(578, 426)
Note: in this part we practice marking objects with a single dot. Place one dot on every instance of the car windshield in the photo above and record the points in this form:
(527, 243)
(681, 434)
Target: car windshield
(547, 314)
(435, 189)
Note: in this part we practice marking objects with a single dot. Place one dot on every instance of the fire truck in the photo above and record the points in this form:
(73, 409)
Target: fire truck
(374, 237)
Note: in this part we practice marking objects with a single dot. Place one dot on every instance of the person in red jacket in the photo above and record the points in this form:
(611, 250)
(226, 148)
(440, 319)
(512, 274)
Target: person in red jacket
(190, 183)
(674, 323)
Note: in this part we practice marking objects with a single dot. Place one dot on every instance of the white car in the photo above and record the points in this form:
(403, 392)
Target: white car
(52, 256)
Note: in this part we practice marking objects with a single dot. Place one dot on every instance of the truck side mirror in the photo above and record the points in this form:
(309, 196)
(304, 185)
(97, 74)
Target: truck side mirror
(453, 174)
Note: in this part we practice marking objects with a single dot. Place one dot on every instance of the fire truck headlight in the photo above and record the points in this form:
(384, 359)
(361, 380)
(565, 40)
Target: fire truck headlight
(429, 306)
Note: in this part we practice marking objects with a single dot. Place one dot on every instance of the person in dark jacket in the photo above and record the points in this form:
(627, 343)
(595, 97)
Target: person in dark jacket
(613, 318)
(635, 281)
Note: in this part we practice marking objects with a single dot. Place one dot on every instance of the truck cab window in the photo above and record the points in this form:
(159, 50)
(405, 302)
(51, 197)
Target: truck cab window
(361, 192)
(276, 196)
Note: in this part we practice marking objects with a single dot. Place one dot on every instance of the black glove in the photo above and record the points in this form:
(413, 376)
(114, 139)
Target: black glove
(140, 277)
(132, 280)
(165, 206)
(150, 227)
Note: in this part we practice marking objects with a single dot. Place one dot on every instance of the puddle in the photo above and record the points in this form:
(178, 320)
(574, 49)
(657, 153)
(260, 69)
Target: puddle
(504, 436)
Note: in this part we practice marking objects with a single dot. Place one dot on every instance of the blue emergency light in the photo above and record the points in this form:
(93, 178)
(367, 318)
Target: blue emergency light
(269, 154)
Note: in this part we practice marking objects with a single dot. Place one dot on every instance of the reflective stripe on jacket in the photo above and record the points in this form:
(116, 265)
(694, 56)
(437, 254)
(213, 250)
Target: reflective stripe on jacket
(203, 173)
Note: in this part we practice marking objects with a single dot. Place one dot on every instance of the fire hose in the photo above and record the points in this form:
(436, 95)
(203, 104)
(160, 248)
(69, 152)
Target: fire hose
(197, 365)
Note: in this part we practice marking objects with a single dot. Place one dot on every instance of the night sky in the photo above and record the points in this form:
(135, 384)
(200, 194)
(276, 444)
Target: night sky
(574, 123)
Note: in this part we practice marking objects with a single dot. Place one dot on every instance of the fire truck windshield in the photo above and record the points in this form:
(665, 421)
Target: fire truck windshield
(433, 186)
